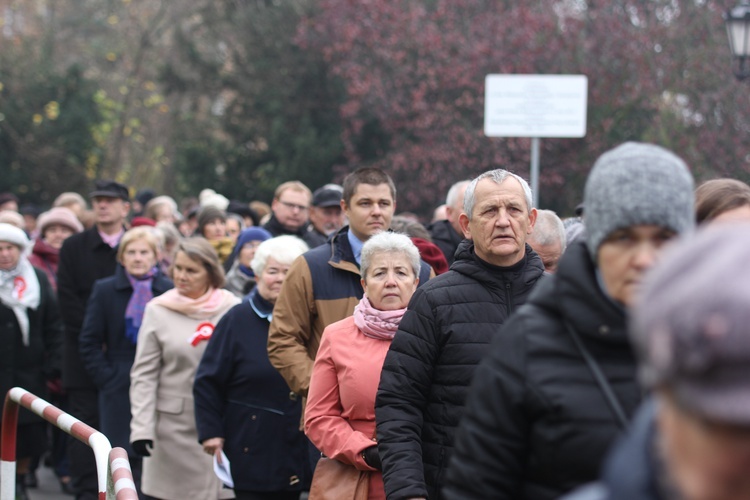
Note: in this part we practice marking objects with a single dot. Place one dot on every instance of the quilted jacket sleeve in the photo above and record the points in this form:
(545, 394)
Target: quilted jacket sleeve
(490, 446)
(402, 396)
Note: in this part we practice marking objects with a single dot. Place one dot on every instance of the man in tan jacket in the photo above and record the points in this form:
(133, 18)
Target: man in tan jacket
(323, 285)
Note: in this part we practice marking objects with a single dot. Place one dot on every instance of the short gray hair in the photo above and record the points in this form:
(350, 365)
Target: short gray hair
(452, 197)
(497, 176)
(389, 242)
(548, 229)
(284, 249)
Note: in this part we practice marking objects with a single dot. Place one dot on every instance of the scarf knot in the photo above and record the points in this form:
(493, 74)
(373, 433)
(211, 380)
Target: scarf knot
(20, 291)
(377, 324)
(142, 294)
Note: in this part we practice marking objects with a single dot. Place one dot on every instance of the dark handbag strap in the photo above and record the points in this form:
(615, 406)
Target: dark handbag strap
(601, 380)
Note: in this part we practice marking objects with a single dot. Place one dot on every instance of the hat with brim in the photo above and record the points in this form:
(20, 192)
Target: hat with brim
(110, 189)
(327, 196)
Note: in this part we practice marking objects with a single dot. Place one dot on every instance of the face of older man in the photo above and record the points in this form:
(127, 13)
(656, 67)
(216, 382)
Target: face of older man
(9, 255)
(500, 222)
(327, 219)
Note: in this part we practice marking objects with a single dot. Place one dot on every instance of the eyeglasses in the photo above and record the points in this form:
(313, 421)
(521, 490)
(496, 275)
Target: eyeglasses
(293, 206)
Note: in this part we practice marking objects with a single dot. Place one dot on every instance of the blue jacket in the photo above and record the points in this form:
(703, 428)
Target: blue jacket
(107, 353)
(239, 396)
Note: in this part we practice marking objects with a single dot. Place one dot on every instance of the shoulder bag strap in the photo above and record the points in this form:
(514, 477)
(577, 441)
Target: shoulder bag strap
(601, 380)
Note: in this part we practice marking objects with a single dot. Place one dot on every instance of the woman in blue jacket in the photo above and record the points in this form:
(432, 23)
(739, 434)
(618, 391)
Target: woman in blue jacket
(110, 330)
(242, 405)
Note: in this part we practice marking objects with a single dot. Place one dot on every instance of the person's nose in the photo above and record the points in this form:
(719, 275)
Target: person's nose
(503, 219)
(376, 209)
(645, 255)
(390, 280)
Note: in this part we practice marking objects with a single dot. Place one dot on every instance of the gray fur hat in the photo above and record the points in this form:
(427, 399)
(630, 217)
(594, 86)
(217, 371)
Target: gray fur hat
(637, 183)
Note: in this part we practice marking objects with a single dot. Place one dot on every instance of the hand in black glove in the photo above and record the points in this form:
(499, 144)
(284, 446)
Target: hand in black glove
(372, 457)
(141, 447)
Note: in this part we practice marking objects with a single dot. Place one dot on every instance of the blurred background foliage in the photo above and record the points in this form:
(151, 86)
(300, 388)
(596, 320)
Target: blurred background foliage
(240, 95)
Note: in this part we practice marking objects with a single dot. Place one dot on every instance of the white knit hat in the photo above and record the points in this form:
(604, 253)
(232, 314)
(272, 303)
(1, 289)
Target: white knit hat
(14, 235)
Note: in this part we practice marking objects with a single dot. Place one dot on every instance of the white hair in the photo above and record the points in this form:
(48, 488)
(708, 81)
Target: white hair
(453, 192)
(548, 229)
(284, 249)
(389, 242)
(497, 176)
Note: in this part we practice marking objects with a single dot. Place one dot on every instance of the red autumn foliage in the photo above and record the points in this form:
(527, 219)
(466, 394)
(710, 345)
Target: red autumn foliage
(413, 78)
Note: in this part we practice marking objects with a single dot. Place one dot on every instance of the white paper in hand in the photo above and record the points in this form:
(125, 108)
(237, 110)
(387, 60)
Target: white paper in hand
(223, 470)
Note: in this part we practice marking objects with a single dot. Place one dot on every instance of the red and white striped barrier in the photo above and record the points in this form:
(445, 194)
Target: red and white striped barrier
(96, 440)
(122, 484)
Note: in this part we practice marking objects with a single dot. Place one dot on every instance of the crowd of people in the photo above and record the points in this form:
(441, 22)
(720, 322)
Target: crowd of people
(255, 351)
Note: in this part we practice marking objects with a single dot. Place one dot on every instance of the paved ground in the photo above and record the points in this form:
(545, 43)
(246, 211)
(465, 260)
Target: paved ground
(49, 488)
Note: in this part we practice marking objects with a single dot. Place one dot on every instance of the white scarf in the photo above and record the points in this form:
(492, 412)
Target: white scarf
(19, 290)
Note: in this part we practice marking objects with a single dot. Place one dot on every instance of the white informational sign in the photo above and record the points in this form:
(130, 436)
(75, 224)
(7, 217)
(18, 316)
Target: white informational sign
(535, 105)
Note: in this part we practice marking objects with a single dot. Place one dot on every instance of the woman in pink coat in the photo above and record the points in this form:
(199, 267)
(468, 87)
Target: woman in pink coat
(340, 412)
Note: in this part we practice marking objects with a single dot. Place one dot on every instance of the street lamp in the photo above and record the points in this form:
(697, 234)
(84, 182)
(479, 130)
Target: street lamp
(738, 31)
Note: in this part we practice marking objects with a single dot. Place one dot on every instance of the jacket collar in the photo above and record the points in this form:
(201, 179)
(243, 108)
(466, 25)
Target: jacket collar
(581, 301)
(522, 275)
(261, 306)
(275, 228)
(342, 256)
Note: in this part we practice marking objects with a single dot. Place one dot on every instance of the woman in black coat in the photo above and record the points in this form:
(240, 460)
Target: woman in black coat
(110, 329)
(559, 383)
(243, 407)
(30, 336)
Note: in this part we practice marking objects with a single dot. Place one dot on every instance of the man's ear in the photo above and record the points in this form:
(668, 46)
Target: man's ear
(532, 220)
(463, 221)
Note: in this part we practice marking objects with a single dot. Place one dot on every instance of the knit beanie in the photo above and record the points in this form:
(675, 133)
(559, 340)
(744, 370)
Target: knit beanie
(248, 235)
(635, 184)
(12, 234)
(59, 215)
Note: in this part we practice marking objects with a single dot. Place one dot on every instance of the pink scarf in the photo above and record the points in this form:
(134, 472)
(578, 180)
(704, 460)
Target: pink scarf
(201, 308)
(377, 324)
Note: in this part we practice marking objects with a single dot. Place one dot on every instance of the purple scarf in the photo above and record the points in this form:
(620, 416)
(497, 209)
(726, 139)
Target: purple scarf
(142, 293)
(377, 324)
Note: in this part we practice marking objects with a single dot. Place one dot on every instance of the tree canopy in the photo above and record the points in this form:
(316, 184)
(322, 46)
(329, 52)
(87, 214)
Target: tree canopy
(240, 96)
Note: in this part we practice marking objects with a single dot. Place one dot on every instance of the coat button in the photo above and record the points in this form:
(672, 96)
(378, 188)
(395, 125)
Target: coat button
(293, 480)
(604, 330)
(293, 396)
(254, 417)
(245, 449)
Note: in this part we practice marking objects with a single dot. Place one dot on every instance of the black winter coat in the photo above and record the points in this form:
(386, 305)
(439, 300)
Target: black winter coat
(84, 258)
(239, 396)
(537, 425)
(429, 367)
(107, 353)
(446, 238)
(29, 366)
(633, 469)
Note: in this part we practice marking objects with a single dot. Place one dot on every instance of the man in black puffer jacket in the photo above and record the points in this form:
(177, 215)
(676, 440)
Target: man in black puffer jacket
(538, 421)
(446, 331)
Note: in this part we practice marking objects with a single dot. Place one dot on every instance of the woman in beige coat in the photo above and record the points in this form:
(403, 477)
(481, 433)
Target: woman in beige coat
(175, 330)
